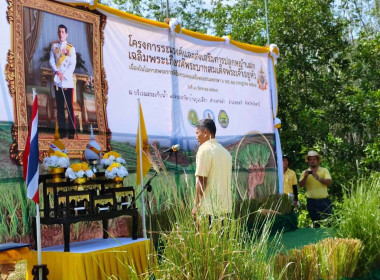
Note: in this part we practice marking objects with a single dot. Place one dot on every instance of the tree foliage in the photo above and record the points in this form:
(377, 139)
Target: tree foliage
(189, 12)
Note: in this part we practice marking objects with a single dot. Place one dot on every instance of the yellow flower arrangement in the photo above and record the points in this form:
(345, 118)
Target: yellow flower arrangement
(76, 167)
(113, 165)
(110, 157)
(116, 169)
(58, 154)
(85, 166)
(111, 153)
(79, 166)
(57, 159)
(79, 170)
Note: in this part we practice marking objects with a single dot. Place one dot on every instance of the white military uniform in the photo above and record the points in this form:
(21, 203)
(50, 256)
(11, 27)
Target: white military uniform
(63, 58)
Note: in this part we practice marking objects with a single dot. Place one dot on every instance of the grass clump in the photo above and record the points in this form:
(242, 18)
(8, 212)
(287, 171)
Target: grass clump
(224, 250)
(359, 217)
(328, 259)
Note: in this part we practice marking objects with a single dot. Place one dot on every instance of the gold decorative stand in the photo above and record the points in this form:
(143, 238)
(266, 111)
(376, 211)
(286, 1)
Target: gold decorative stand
(67, 203)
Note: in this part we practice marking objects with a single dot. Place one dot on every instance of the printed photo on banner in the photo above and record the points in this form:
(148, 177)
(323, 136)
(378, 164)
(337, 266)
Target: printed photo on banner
(57, 52)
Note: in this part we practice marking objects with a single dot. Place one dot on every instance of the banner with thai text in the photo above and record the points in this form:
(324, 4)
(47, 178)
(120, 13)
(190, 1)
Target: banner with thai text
(179, 80)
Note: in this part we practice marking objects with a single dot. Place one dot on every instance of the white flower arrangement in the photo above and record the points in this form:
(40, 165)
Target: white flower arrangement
(79, 170)
(111, 157)
(56, 160)
(116, 169)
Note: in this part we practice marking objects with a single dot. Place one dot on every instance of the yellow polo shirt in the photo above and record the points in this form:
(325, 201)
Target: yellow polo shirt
(314, 188)
(290, 179)
(215, 162)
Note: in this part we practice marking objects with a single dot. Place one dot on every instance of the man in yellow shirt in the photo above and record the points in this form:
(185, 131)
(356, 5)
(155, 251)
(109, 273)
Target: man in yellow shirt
(316, 179)
(213, 193)
(290, 181)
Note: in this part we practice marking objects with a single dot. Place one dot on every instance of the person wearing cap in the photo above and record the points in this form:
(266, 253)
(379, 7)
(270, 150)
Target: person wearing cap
(290, 181)
(316, 179)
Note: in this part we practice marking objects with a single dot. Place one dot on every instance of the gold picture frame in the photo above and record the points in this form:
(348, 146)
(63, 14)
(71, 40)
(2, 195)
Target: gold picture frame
(16, 72)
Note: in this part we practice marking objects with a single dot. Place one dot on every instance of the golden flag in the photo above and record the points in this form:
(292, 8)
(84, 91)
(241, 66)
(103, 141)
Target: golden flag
(146, 165)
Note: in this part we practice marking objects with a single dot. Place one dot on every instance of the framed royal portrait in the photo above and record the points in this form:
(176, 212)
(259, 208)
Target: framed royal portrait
(66, 72)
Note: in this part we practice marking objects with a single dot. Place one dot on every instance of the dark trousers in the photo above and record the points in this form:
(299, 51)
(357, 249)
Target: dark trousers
(60, 102)
(319, 209)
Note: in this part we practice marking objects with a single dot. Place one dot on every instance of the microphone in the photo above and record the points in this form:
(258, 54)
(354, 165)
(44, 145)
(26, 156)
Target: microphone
(174, 148)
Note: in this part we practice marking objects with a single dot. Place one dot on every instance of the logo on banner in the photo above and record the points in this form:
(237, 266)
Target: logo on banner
(193, 118)
(223, 119)
(262, 79)
(208, 114)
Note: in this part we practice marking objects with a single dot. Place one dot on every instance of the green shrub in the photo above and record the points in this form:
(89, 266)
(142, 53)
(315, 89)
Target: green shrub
(359, 217)
(303, 215)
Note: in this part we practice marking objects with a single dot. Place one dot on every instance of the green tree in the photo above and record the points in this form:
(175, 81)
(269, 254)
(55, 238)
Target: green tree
(189, 12)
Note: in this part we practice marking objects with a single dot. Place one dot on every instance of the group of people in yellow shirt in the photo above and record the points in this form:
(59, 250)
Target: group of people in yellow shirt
(213, 194)
(316, 179)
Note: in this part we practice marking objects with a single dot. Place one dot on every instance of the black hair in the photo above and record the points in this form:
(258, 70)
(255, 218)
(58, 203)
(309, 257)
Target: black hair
(62, 26)
(208, 124)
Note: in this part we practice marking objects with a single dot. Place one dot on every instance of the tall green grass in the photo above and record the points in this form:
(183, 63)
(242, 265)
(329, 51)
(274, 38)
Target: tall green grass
(359, 217)
(8, 170)
(224, 250)
(15, 211)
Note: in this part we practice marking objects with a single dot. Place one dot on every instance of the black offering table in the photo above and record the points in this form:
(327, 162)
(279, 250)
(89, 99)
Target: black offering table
(67, 203)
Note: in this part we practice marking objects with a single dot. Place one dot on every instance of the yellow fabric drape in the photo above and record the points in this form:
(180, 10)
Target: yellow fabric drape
(14, 255)
(146, 165)
(97, 265)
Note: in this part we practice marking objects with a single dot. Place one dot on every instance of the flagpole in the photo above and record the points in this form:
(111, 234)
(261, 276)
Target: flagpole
(141, 172)
(38, 226)
(266, 20)
(167, 9)
(31, 175)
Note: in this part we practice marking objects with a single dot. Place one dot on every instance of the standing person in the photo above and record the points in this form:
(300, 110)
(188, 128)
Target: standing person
(290, 181)
(213, 194)
(316, 179)
(62, 61)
